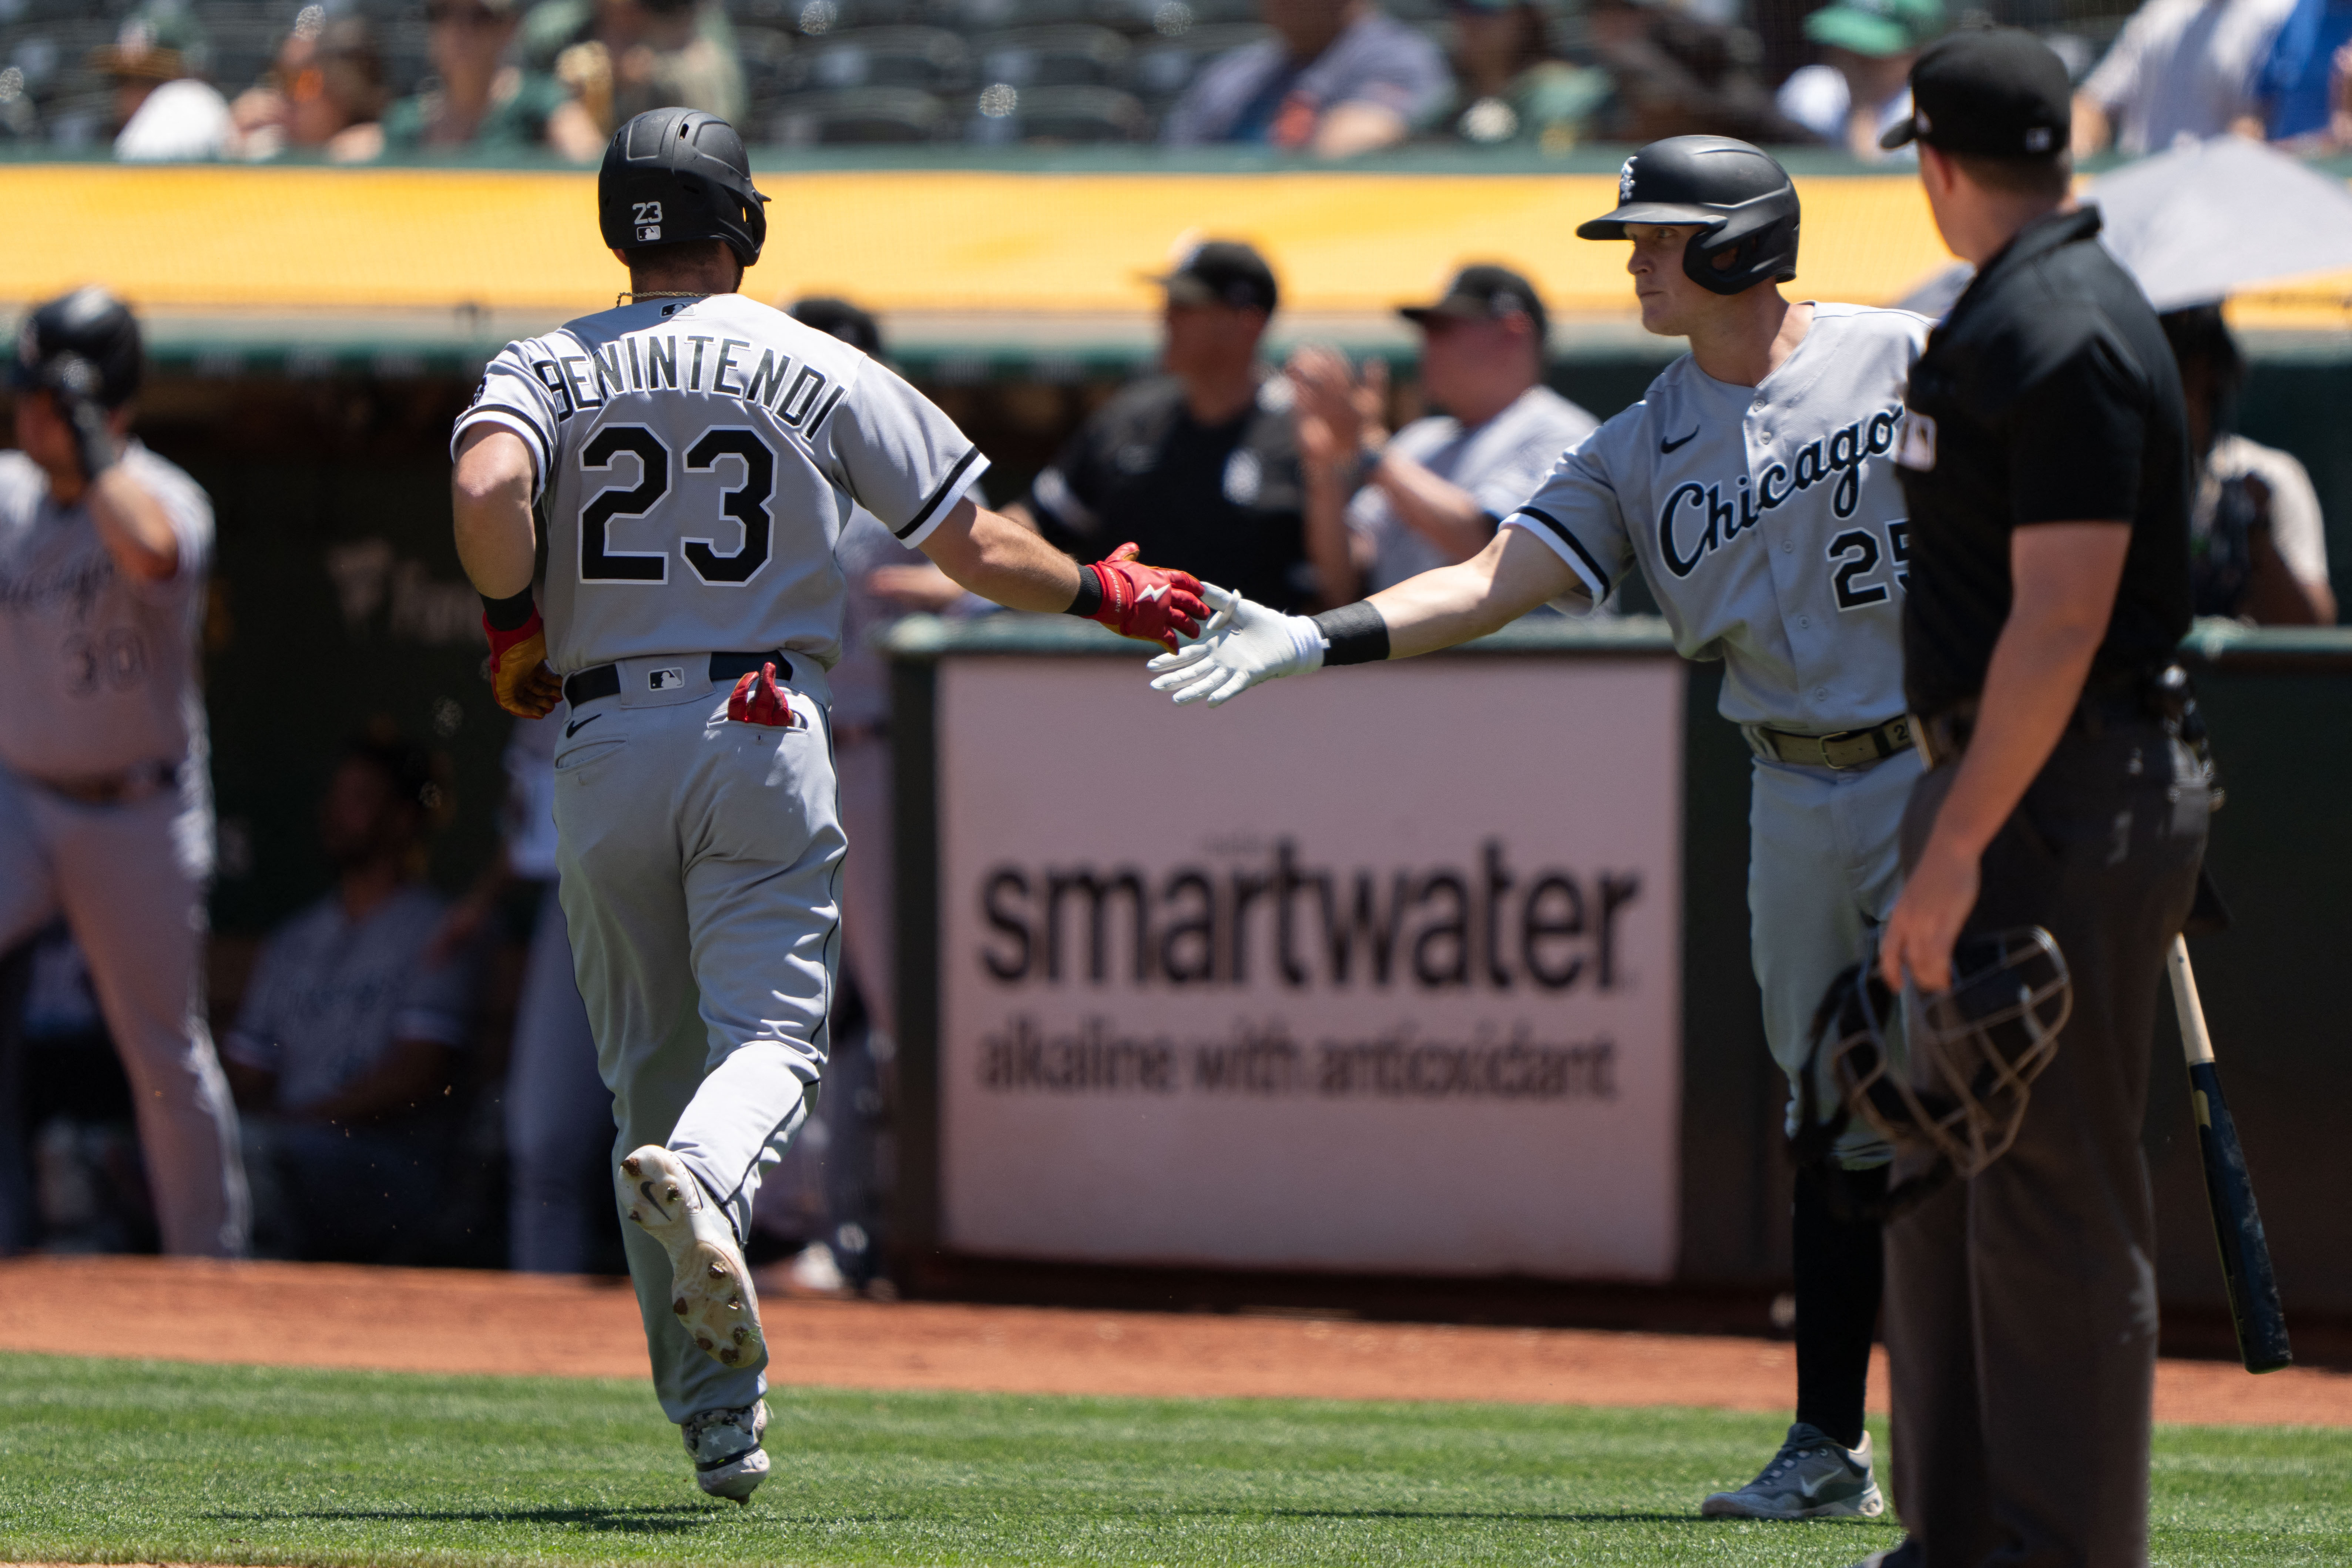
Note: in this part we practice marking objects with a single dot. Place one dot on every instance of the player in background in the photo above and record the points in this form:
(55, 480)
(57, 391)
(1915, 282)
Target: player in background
(1754, 486)
(696, 456)
(106, 809)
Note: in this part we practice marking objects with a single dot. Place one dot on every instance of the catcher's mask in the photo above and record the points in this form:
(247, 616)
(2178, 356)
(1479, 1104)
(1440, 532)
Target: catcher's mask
(1971, 1052)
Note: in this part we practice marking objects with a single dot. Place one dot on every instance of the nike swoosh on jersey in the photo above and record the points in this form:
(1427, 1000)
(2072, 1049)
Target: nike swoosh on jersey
(579, 724)
(1672, 445)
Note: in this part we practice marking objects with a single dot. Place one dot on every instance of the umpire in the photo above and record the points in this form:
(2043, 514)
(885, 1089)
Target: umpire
(2045, 463)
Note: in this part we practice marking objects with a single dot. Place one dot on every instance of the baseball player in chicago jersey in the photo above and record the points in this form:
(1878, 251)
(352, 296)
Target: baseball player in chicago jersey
(696, 456)
(106, 807)
(1754, 488)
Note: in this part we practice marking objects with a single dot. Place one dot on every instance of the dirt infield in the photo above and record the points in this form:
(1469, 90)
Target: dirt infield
(452, 1321)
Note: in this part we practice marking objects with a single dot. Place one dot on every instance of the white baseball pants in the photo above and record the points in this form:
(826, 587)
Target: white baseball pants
(700, 861)
(129, 881)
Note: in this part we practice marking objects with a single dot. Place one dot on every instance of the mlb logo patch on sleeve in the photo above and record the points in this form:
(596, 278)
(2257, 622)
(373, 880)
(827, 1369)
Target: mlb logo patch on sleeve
(1917, 447)
(669, 680)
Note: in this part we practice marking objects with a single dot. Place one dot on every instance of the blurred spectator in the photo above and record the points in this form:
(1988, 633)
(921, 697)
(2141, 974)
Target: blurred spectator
(482, 103)
(348, 1040)
(1863, 84)
(622, 57)
(1199, 466)
(1516, 90)
(2303, 79)
(1433, 493)
(1677, 73)
(1339, 77)
(2181, 69)
(162, 112)
(2258, 551)
(325, 93)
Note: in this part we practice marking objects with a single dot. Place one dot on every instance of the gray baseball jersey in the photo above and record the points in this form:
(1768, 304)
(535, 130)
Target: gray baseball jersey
(101, 670)
(1766, 519)
(699, 460)
(1500, 463)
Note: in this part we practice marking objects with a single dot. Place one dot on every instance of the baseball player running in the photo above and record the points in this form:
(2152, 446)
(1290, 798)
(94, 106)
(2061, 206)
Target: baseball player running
(1754, 486)
(696, 456)
(106, 806)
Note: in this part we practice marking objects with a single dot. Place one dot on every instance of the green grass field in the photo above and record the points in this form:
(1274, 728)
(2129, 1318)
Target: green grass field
(168, 1462)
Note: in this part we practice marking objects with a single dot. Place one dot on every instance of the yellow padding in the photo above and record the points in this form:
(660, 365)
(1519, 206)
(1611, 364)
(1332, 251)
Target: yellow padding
(311, 239)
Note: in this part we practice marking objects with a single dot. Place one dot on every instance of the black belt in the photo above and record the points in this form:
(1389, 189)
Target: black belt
(2135, 697)
(604, 679)
(1846, 750)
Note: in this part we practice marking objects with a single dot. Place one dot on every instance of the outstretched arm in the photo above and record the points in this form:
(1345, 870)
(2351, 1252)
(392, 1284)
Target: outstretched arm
(998, 559)
(1247, 643)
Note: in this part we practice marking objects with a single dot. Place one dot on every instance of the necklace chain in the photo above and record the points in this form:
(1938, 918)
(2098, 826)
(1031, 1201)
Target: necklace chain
(625, 295)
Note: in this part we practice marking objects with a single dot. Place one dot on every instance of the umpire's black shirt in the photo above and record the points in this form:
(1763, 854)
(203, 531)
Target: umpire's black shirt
(1224, 502)
(2049, 394)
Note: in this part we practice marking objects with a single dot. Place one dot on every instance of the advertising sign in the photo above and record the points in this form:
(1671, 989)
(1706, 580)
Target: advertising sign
(1375, 972)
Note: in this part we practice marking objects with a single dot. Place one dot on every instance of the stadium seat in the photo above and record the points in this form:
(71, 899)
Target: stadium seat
(858, 116)
(923, 58)
(1003, 115)
(1163, 67)
(1065, 55)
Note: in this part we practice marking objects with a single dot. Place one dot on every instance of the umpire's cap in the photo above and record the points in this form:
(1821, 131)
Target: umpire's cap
(673, 175)
(89, 325)
(1742, 199)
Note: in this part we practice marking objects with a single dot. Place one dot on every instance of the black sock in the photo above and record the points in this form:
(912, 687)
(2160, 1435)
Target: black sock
(1840, 1270)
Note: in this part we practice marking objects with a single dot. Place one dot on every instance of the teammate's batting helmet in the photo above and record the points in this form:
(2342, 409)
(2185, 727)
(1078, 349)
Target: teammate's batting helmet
(1960, 1079)
(678, 174)
(86, 337)
(1743, 200)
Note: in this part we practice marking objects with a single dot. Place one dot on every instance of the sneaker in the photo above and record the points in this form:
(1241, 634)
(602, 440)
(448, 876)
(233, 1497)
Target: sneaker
(1812, 1477)
(710, 1289)
(725, 1447)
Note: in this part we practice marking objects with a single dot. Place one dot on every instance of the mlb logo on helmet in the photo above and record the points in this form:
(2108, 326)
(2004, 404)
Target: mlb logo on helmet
(648, 231)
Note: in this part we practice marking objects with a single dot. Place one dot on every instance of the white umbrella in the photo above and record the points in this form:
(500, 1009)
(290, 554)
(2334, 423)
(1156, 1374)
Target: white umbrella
(2202, 222)
(2210, 219)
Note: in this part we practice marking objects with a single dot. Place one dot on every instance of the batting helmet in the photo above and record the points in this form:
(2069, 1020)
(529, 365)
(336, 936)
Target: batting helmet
(1743, 200)
(678, 174)
(1960, 1079)
(86, 342)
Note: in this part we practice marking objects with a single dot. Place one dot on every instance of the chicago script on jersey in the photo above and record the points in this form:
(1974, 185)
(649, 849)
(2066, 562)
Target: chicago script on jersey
(1839, 461)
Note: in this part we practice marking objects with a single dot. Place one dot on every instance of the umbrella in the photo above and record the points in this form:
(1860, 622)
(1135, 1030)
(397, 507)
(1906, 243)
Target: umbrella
(2202, 222)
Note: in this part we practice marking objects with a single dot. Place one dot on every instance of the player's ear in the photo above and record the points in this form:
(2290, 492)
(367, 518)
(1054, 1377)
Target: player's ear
(621, 256)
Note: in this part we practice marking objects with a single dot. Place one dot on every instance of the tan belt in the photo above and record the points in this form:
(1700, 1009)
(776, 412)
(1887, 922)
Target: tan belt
(1845, 751)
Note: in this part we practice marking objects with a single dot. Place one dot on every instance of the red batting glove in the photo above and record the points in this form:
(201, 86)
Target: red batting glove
(1150, 604)
(520, 676)
(759, 698)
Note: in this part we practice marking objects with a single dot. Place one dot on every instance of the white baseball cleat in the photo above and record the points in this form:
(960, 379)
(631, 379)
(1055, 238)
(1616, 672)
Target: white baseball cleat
(1812, 1477)
(710, 1288)
(725, 1447)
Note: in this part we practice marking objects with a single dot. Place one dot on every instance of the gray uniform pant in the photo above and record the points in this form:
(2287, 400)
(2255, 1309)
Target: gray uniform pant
(2021, 1307)
(699, 863)
(129, 881)
(559, 1112)
(1822, 872)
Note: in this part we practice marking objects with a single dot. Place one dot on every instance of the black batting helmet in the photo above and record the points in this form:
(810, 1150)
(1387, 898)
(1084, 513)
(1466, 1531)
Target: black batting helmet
(89, 326)
(673, 175)
(1743, 199)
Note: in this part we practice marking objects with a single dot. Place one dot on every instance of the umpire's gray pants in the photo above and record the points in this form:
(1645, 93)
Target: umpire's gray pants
(2021, 1307)
(699, 860)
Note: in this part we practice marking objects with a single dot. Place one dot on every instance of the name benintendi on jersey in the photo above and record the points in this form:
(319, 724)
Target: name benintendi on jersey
(663, 359)
(1714, 520)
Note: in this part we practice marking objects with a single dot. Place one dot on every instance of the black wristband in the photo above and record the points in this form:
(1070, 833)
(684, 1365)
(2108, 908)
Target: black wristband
(1090, 596)
(1356, 634)
(509, 614)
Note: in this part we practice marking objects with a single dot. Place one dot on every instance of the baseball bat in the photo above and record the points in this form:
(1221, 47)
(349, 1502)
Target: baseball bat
(2237, 1225)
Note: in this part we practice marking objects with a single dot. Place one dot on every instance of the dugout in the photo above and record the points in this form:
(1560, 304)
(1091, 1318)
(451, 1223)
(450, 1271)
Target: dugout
(316, 412)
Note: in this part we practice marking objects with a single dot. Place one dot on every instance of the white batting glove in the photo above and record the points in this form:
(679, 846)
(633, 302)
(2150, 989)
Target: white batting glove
(1244, 643)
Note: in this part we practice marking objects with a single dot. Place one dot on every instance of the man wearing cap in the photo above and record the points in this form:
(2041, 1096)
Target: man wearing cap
(161, 110)
(1434, 492)
(1199, 466)
(2045, 463)
(1753, 487)
(1862, 85)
